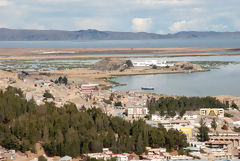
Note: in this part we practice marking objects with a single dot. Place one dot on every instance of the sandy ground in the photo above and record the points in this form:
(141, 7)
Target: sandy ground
(47, 53)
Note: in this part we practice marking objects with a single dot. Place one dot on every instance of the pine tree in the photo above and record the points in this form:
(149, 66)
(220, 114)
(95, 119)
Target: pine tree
(214, 124)
(203, 131)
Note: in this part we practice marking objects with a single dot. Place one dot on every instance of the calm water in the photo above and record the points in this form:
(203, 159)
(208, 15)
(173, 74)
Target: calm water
(223, 81)
(160, 43)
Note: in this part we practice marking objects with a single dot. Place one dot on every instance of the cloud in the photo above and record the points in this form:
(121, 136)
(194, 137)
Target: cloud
(196, 25)
(141, 24)
(4, 3)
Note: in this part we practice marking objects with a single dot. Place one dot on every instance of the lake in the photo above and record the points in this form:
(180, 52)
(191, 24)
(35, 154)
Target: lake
(222, 81)
(157, 43)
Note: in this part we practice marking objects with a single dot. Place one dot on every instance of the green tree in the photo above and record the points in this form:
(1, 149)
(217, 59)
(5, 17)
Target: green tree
(203, 131)
(65, 80)
(129, 63)
(234, 106)
(214, 124)
(224, 127)
(42, 158)
(47, 95)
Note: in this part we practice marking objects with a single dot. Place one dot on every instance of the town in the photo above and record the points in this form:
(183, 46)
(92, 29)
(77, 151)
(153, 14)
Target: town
(222, 142)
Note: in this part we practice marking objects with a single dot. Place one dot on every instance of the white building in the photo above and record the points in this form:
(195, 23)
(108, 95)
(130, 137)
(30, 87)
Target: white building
(137, 112)
(150, 63)
(156, 117)
(219, 112)
(190, 115)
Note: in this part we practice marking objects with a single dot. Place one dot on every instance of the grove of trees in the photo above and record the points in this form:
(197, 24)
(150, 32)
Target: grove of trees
(171, 106)
(67, 131)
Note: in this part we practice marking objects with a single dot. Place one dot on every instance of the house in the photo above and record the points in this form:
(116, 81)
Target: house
(187, 131)
(224, 146)
(190, 115)
(214, 112)
(137, 112)
(156, 117)
(236, 121)
(66, 158)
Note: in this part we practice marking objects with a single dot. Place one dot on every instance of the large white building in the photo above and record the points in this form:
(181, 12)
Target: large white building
(137, 112)
(219, 112)
(150, 63)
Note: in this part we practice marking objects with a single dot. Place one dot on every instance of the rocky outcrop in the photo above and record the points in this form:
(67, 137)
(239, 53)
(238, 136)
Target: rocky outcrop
(188, 66)
(111, 64)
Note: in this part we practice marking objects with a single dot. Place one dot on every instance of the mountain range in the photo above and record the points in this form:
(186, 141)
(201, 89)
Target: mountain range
(91, 34)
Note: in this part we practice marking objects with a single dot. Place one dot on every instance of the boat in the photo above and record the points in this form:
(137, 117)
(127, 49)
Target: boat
(147, 88)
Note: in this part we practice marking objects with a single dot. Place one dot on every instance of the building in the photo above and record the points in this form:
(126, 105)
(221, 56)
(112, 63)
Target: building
(190, 115)
(236, 121)
(137, 112)
(160, 154)
(219, 149)
(187, 131)
(156, 117)
(214, 112)
(151, 63)
(66, 158)
(224, 146)
(107, 155)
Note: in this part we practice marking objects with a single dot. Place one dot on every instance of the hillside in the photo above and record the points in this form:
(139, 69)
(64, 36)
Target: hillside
(81, 35)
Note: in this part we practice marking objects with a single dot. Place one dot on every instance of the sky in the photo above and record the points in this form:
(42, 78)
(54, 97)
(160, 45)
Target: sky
(156, 16)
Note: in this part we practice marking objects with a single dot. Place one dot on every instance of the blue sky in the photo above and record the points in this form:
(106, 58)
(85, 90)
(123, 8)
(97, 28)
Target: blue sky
(157, 16)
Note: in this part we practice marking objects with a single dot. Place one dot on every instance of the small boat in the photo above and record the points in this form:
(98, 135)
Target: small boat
(147, 88)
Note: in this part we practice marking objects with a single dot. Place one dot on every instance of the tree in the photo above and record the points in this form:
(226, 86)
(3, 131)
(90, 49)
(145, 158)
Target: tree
(65, 80)
(42, 158)
(129, 63)
(224, 127)
(234, 106)
(154, 67)
(118, 104)
(214, 124)
(203, 132)
(47, 95)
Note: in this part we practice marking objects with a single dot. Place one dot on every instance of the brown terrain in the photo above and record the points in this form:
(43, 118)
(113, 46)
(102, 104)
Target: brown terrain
(33, 53)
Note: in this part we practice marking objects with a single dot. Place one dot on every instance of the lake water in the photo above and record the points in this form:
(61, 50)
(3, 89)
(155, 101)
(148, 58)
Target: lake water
(158, 43)
(222, 81)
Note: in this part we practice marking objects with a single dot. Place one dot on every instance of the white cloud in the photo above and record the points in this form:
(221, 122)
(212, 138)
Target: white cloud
(5, 3)
(196, 25)
(141, 24)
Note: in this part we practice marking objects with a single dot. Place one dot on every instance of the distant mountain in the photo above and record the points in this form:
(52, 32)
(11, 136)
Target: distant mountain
(58, 35)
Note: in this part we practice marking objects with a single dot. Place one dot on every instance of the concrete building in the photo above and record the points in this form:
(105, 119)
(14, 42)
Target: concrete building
(214, 112)
(187, 131)
(66, 158)
(150, 63)
(190, 115)
(156, 117)
(137, 112)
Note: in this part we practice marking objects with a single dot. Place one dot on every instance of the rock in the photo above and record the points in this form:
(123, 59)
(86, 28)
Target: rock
(111, 64)
(188, 66)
